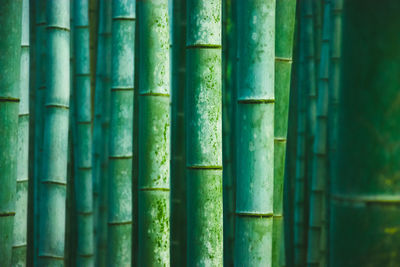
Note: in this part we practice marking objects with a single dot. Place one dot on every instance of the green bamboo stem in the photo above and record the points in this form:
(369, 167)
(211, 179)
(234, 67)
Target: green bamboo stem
(154, 133)
(40, 88)
(365, 192)
(19, 250)
(300, 175)
(105, 129)
(178, 181)
(228, 127)
(284, 27)
(55, 142)
(83, 117)
(119, 251)
(318, 13)
(319, 164)
(255, 132)
(204, 133)
(99, 225)
(10, 60)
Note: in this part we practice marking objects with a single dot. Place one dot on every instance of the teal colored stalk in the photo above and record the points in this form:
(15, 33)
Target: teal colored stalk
(119, 252)
(300, 225)
(335, 61)
(102, 240)
(318, 12)
(284, 27)
(228, 126)
(154, 133)
(55, 145)
(364, 218)
(83, 133)
(255, 132)
(10, 60)
(40, 88)
(178, 181)
(203, 111)
(319, 164)
(19, 251)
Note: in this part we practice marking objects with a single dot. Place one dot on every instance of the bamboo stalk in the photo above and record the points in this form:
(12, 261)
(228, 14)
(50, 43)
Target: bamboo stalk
(365, 192)
(121, 126)
(284, 27)
(178, 181)
(55, 142)
(19, 250)
(83, 117)
(154, 133)
(255, 132)
(319, 164)
(203, 133)
(10, 60)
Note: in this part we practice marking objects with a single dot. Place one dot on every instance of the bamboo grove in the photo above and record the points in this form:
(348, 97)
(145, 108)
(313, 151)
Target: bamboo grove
(199, 133)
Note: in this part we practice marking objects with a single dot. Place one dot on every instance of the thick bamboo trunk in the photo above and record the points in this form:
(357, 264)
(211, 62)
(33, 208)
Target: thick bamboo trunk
(19, 251)
(319, 165)
(10, 60)
(154, 133)
(178, 181)
(204, 133)
(255, 132)
(83, 130)
(365, 192)
(285, 19)
(55, 142)
(119, 251)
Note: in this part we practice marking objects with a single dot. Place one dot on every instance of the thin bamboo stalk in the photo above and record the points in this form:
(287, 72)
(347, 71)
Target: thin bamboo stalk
(319, 164)
(284, 27)
(178, 181)
(203, 106)
(365, 192)
(154, 133)
(83, 117)
(255, 132)
(19, 250)
(10, 60)
(55, 142)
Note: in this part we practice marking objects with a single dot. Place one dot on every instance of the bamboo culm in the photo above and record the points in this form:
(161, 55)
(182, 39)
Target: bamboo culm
(178, 181)
(154, 133)
(203, 111)
(285, 20)
(55, 142)
(19, 251)
(365, 191)
(255, 132)
(119, 251)
(10, 60)
(319, 165)
(83, 117)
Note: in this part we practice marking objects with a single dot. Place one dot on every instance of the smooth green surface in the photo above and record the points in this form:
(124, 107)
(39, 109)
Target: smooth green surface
(365, 191)
(178, 181)
(285, 18)
(119, 251)
(10, 60)
(154, 133)
(203, 111)
(20, 220)
(255, 132)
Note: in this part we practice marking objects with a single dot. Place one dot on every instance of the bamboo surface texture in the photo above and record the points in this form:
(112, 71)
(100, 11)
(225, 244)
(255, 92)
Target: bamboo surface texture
(154, 133)
(365, 192)
(285, 19)
(19, 251)
(119, 251)
(203, 109)
(55, 142)
(255, 132)
(10, 60)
